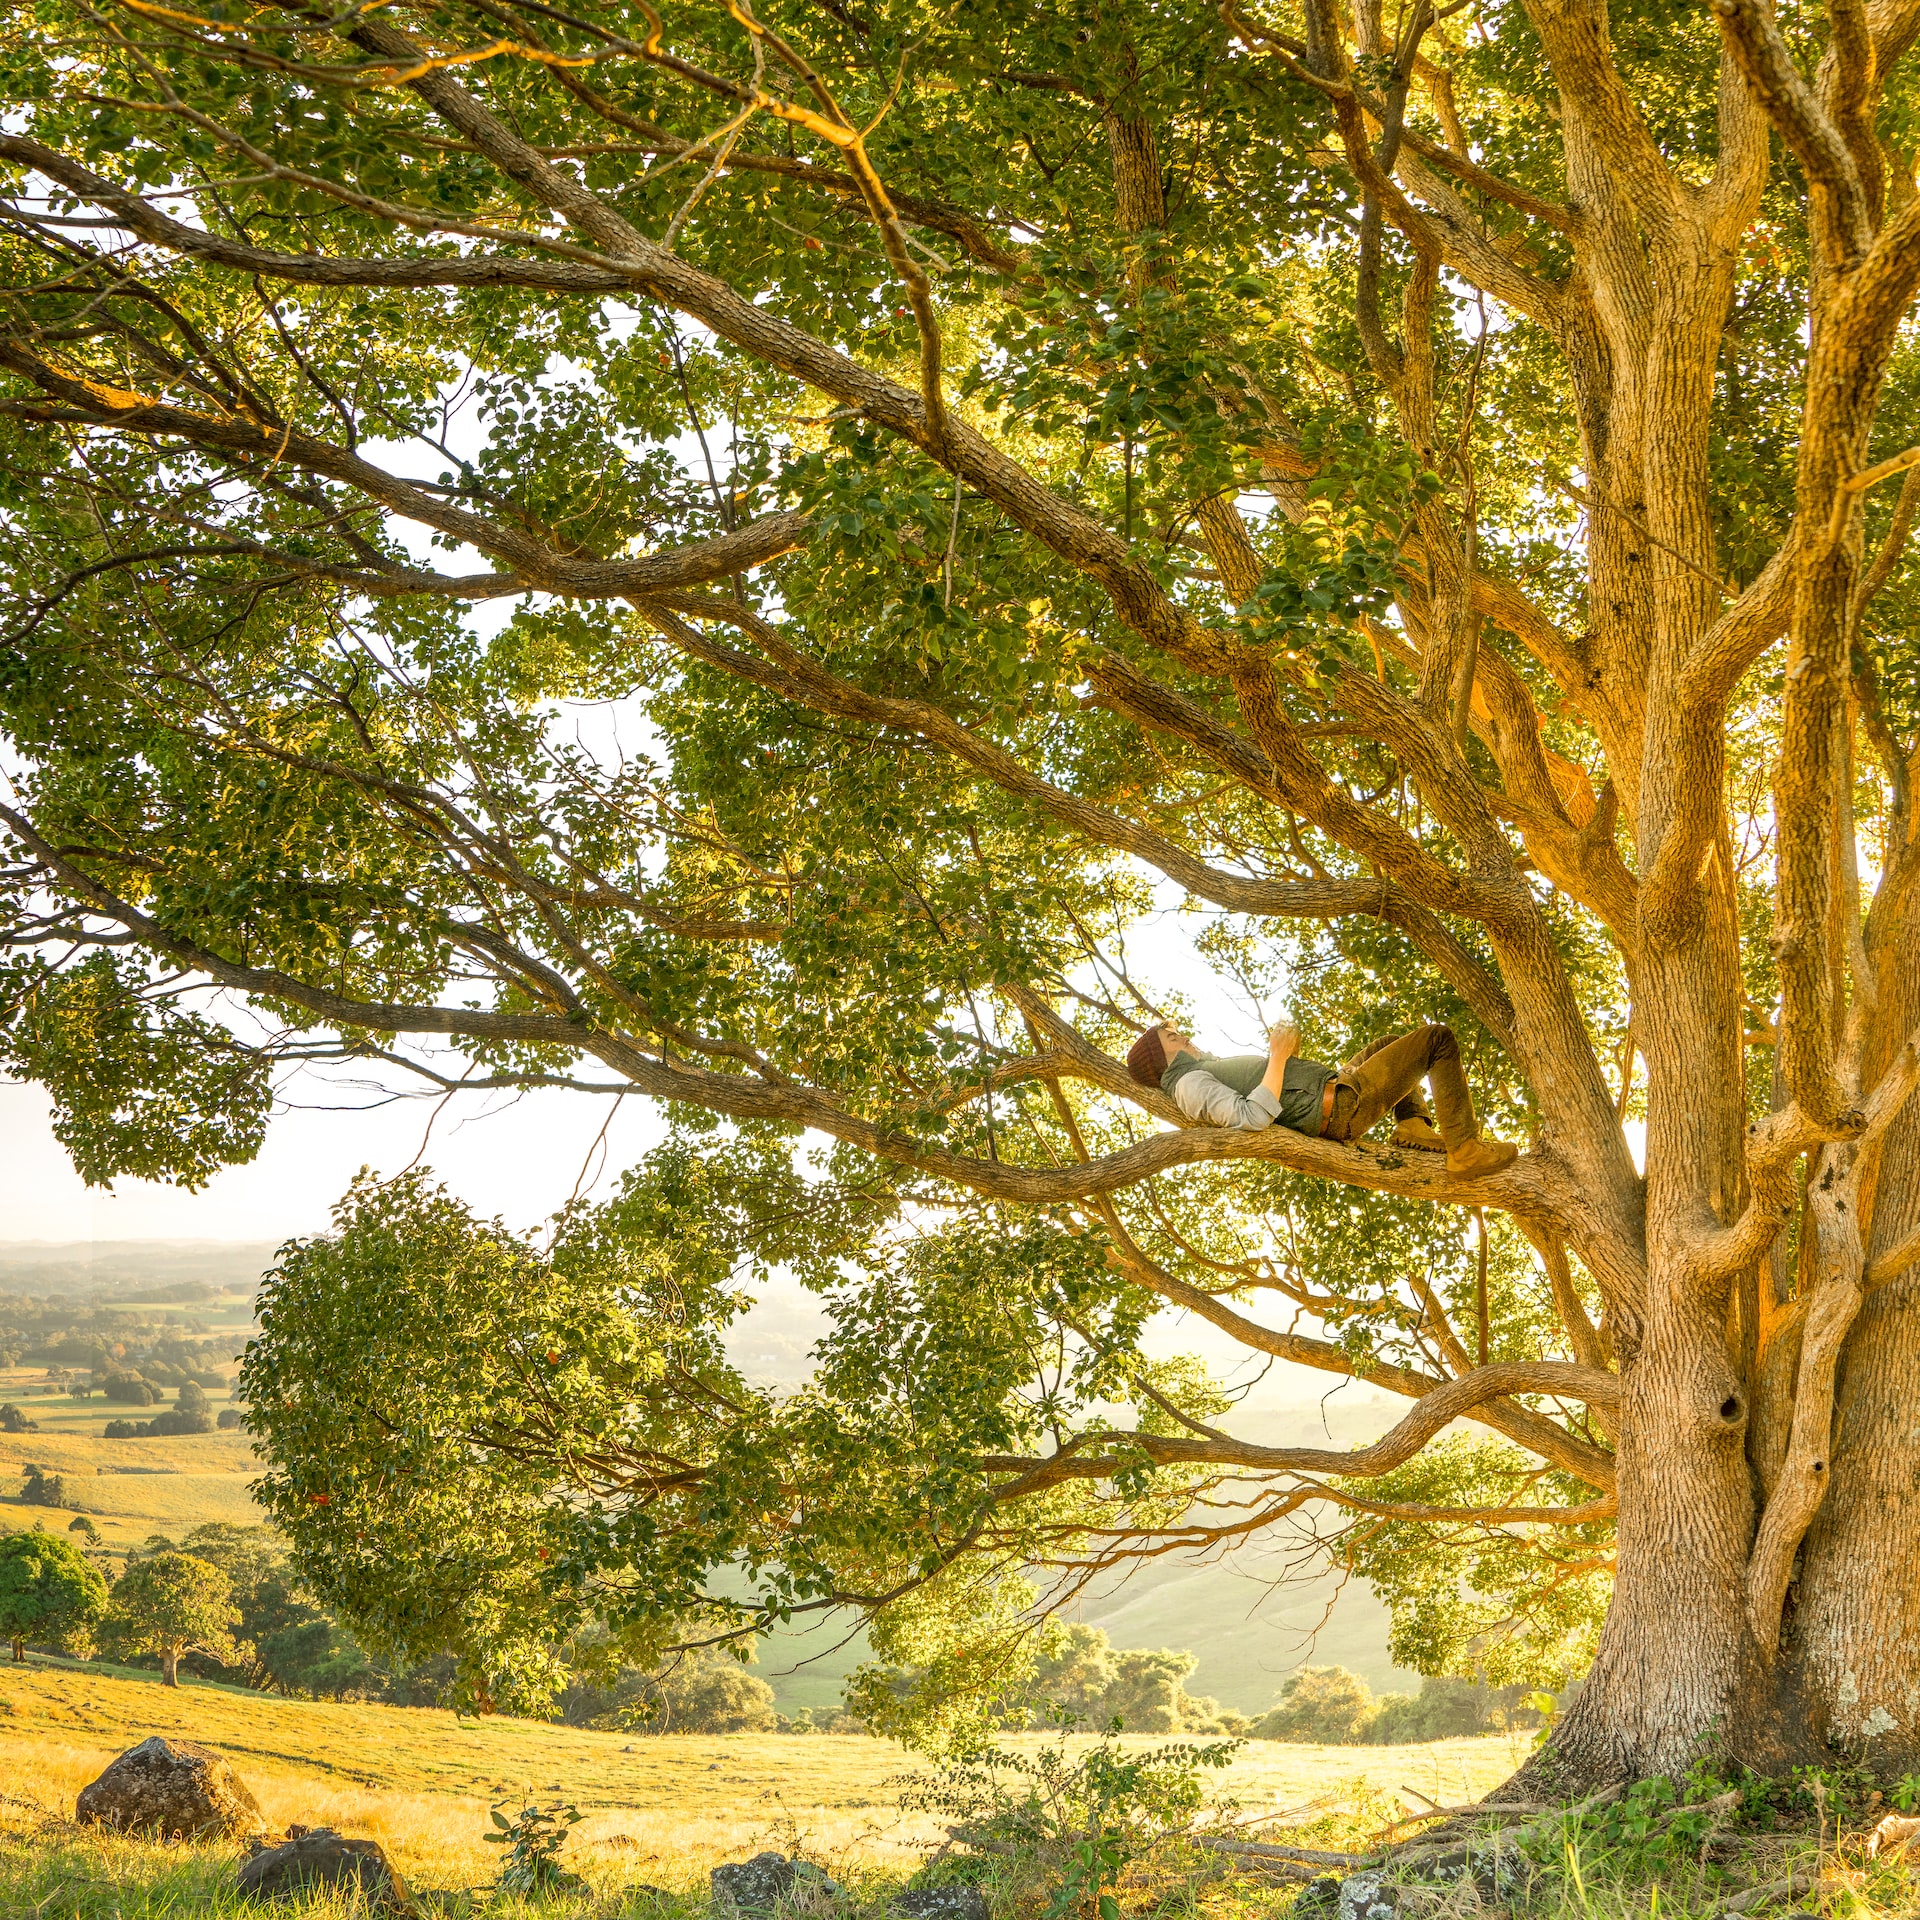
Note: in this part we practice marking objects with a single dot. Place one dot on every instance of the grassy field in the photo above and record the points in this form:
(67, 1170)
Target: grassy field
(132, 1488)
(662, 1811)
(128, 1488)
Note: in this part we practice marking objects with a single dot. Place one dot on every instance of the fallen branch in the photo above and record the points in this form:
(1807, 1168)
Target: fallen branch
(1787, 1887)
(1271, 1849)
(1294, 1872)
(1435, 1811)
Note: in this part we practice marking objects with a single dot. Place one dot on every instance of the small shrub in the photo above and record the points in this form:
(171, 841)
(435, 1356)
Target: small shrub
(535, 1836)
(12, 1420)
(230, 1417)
(123, 1430)
(1076, 1831)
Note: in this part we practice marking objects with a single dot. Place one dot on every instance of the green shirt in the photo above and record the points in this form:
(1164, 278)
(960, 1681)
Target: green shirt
(1303, 1083)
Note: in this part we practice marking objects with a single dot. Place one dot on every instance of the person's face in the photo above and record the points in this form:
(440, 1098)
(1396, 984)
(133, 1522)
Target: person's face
(1175, 1043)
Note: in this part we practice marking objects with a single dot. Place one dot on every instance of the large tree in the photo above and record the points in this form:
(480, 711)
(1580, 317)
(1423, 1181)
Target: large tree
(1403, 484)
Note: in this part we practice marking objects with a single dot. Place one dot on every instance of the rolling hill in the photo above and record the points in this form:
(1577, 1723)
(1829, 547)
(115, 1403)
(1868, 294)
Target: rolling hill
(662, 1810)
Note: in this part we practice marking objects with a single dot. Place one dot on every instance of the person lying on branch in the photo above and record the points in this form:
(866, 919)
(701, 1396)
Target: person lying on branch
(1341, 1103)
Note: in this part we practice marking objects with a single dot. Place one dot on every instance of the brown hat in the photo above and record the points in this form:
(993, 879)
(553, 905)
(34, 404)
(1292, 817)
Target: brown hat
(1147, 1059)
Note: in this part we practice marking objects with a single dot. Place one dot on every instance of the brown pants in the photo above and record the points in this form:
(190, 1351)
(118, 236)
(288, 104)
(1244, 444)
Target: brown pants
(1388, 1074)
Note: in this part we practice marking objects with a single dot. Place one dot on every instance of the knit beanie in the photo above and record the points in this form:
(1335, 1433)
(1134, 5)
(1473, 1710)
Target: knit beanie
(1147, 1060)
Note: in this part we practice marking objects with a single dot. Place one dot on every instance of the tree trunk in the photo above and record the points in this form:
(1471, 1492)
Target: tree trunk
(1677, 1662)
(19, 1649)
(170, 1667)
(1854, 1633)
(1853, 1641)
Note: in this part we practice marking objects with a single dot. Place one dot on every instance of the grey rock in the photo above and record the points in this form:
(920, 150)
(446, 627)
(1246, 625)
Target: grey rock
(956, 1902)
(172, 1789)
(1497, 1874)
(1366, 1896)
(760, 1884)
(752, 1886)
(311, 1858)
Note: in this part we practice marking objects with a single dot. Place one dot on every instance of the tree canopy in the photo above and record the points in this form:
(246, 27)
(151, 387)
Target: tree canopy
(50, 1593)
(762, 562)
(173, 1603)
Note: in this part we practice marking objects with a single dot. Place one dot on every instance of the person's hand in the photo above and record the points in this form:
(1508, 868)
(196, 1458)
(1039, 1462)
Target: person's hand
(1284, 1041)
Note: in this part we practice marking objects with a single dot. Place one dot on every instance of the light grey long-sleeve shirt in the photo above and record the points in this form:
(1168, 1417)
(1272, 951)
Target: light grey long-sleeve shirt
(1225, 1091)
(1205, 1098)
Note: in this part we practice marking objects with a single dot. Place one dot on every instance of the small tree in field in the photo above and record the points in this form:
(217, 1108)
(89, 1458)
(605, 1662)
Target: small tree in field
(1318, 1704)
(50, 1593)
(176, 1603)
(39, 1488)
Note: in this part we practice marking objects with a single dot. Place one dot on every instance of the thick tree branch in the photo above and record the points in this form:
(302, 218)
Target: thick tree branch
(1537, 1190)
(1436, 1409)
(1842, 208)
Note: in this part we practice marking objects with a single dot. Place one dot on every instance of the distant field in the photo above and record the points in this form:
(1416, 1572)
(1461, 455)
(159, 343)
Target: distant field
(184, 1479)
(664, 1809)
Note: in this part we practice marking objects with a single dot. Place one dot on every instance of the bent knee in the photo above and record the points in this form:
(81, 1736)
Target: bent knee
(1442, 1044)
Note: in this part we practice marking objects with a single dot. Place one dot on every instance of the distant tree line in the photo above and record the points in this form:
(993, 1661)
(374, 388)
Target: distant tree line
(1082, 1678)
(128, 1357)
(190, 1413)
(224, 1604)
(1330, 1706)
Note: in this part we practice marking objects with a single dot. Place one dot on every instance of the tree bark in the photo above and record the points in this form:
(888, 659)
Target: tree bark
(170, 1667)
(1676, 1660)
(1854, 1619)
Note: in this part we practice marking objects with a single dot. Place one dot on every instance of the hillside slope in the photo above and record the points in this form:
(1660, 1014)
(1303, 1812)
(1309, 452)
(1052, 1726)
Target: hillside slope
(663, 1809)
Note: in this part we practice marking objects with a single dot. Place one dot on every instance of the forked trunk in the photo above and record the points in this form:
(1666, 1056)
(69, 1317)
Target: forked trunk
(1853, 1632)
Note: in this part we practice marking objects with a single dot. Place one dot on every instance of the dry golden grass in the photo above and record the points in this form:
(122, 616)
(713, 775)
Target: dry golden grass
(436, 1838)
(184, 1480)
(663, 1810)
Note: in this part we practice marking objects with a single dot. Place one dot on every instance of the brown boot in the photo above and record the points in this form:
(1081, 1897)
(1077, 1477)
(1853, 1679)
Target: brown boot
(1481, 1157)
(1417, 1132)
